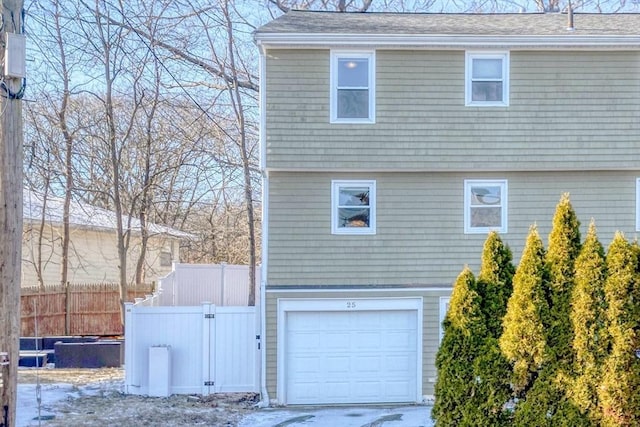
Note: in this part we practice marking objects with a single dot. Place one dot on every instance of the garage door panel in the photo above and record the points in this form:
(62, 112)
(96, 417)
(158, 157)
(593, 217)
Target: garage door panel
(398, 362)
(400, 339)
(338, 365)
(368, 391)
(359, 357)
(337, 390)
(367, 364)
(396, 389)
(335, 340)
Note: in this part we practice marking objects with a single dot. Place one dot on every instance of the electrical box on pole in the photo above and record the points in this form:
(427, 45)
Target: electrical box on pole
(15, 52)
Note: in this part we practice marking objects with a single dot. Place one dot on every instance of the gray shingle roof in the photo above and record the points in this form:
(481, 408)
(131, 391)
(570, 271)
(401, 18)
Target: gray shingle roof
(396, 24)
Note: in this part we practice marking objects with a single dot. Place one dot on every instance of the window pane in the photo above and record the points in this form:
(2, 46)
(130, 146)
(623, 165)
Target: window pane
(353, 72)
(353, 217)
(353, 104)
(487, 68)
(354, 196)
(487, 195)
(486, 217)
(486, 91)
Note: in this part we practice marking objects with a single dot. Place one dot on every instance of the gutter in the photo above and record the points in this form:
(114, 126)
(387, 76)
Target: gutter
(440, 41)
(264, 402)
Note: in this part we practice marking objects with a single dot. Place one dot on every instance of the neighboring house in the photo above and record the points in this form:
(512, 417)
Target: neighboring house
(391, 145)
(93, 255)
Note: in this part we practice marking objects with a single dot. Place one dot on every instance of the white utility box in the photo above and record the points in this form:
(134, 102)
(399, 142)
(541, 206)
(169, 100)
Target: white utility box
(160, 371)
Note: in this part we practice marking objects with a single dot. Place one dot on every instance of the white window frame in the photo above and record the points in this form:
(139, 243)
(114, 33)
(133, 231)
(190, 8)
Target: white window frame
(637, 204)
(335, 198)
(468, 183)
(468, 93)
(444, 307)
(341, 54)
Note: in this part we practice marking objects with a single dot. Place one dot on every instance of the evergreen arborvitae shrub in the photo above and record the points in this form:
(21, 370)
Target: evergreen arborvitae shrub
(495, 282)
(523, 338)
(492, 372)
(619, 392)
(588, 322)
(545, 405)
(563, 249)
(491, 391)
(547, 402)
(463, 332)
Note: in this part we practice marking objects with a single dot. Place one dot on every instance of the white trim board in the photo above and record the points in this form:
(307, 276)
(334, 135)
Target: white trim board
(286, 305)
(343, 290)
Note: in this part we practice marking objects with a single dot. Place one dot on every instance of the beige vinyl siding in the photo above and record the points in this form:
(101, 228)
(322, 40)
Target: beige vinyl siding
(569, 110)
(430, 327)
(420, 235)
(93, 256)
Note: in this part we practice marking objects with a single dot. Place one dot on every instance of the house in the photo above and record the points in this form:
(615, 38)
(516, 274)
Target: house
(93, 255)
(391, 145)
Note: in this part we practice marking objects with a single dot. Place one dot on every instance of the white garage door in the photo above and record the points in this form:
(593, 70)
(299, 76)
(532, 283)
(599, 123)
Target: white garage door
(351, 357)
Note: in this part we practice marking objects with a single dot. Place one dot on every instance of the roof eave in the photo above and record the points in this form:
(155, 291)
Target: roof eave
(315, 40)
(175, 234)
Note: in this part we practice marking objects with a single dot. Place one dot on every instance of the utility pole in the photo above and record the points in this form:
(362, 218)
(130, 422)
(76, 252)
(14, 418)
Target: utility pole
(12, 67)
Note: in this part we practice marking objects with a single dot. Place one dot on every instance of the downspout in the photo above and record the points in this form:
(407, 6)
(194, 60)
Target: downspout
(265, 231)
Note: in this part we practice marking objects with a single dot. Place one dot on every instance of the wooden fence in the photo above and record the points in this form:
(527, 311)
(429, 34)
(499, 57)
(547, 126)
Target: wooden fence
(76, 309)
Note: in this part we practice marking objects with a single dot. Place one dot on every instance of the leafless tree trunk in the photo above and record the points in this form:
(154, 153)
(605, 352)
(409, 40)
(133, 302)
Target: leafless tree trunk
(68, 152)
(109, 46)
(236, 102)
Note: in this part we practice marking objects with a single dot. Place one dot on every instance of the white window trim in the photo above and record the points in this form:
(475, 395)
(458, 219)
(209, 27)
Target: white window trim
(467, 205)
(637, 204)
(444, 305)
(333, 81)
(335, 197)
(469, 56)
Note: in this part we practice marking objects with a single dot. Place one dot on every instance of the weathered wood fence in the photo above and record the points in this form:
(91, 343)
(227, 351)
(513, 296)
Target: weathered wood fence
(76, 309)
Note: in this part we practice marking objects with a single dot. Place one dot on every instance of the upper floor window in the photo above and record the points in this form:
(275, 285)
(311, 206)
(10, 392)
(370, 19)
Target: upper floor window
(353, 206)
(487, 79)
(352, 87)
(485, 206)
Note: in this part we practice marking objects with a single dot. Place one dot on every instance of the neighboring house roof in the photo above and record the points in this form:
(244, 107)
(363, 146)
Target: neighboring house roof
(423, 28)
(85, 216)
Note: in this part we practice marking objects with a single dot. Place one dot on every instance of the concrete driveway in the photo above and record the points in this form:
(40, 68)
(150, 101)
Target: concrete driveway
(370, 416)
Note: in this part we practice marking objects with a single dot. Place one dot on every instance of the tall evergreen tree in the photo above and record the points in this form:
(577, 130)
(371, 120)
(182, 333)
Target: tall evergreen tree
(618, 392)
(547, 403)
(463, 333)
(563, 249)
(495, 282)
(491, 369)
(523, 339)
(588, 322)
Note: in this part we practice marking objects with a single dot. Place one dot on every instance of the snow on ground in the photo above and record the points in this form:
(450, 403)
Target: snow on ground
(367, 416)
(93, 397)
(51, 395)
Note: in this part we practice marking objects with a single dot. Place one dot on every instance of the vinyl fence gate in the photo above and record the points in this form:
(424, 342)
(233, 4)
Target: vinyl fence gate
(207, 349)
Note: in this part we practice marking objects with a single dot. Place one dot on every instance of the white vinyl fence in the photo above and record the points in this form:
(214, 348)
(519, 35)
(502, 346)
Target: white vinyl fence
(200, 349)
(220, 284)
